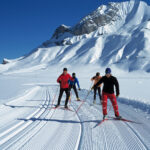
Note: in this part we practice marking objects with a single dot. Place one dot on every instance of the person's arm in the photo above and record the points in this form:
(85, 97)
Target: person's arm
(117, 87)
(92, 78)
(78, 83)
(99, 82)
(59, 79)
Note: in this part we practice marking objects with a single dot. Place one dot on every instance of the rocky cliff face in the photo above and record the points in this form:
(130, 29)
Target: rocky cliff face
(117, 35)
(102, 16)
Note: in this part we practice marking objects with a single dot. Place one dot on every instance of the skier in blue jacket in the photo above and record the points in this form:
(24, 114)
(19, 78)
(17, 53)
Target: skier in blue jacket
(72, 85)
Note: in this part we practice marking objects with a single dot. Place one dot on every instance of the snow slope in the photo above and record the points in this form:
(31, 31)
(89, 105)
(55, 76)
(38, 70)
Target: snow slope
(113, 35)
(29, 122)
(29, 90)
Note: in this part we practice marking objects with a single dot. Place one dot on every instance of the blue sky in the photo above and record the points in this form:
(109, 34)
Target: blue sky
(25, 24)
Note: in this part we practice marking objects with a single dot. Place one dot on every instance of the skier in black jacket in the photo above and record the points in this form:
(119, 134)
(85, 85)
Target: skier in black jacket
(109, 82)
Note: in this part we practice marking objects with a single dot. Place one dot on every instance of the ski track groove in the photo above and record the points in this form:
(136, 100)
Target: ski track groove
(28, 135)
(81, 130)
(12, 122)
(139, 140)
(22, 133)
(116, 124)
(86, 129)
(107, 126)
(18, 124)
(134, 134)
(42, 111)
(49, 115)
(60, 130)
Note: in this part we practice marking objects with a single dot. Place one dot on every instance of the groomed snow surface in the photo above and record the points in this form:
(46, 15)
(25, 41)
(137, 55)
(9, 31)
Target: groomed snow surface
(28, 122)
(28, 89)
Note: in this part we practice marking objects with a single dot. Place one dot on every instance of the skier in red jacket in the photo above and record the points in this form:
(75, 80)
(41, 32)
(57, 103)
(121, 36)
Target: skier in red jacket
(64, 86)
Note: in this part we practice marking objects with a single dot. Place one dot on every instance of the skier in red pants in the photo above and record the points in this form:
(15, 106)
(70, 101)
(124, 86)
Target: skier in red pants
(109, 82)
(63, 79)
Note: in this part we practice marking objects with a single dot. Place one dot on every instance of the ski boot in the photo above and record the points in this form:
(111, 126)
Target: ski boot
(104, 117)
(56, 106)
(78, 99)
(66, 107)
(118, 117)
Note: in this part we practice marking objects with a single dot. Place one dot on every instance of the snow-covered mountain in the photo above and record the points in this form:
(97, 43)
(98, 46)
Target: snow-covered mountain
(117, 34)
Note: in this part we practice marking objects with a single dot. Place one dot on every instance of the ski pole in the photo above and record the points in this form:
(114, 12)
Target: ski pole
(84, 100)
(110, 108)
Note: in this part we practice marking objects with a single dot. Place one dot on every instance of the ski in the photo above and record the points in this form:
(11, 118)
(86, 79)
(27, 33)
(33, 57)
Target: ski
(102, 121)
(54, 108)
(62, 108)
(67, 109)
(125, 120)
(79, 100)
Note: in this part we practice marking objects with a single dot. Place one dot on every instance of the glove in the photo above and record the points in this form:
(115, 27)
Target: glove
(79, 89)
(92, 88)
(59, 82)
(117, 95)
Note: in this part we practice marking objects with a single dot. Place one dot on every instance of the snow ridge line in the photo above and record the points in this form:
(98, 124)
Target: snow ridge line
(37, 113)
(80, 134)
(26, 94)
(136, 104)
(82, 126)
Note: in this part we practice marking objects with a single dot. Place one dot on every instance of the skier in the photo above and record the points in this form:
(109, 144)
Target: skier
(96, 79)
(64, 86)
(109, 82)
(72, 85)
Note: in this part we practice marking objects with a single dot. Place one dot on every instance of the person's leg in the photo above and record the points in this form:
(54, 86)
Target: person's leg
(114, 103)
(99, 93)
(67, 91)
(104, 97)
(76, 92)
(60, 95)
(70, 87)
(95, 89)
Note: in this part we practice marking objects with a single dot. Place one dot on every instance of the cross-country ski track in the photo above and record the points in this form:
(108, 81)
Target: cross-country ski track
(29, 122)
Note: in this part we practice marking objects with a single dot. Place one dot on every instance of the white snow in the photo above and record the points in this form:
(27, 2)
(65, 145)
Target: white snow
(124, 43)
(28, 122)
(28, 88)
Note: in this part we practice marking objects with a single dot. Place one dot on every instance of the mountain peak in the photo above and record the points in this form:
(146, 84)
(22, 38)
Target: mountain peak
(102, 16)
(116, 34)
(60, 30)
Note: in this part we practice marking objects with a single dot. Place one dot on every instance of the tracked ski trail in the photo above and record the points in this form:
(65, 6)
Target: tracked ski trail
(128, 130)
(62, 128)
(19, 107)
(140, 132)
(39, 127)
(12, 135)
(36, 128)
(113, 134)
